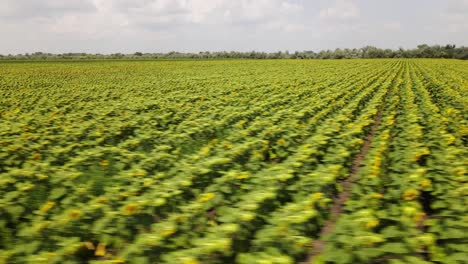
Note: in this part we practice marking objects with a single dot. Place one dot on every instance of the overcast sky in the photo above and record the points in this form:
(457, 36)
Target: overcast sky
(108, 26)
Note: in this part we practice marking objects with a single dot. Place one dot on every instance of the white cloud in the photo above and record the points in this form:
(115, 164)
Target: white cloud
(25, 9)
(456, 16)
(455, 23)
(179, 12)
(393, 26)
(194, 25)
(161, 19)
(341, 10)
(458, 7)
(284, 26)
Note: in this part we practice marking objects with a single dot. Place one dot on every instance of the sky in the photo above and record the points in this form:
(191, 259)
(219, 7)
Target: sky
(127, 26)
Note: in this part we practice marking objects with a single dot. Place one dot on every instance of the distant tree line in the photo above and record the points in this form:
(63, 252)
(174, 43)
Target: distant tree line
(422, 51)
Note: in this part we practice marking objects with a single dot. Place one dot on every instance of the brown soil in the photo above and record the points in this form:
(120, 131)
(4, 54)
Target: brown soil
(319, 244)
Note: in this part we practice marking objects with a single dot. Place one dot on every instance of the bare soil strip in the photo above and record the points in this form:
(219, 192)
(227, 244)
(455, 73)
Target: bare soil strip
(319, 244)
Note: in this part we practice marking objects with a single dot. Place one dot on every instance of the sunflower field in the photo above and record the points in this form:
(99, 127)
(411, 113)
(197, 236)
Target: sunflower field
(234, 161)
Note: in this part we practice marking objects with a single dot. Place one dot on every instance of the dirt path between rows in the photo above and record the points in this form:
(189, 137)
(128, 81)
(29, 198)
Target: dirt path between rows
(319, 244)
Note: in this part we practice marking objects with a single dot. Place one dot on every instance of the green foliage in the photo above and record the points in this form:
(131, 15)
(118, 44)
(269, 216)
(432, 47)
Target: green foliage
(367, 52)
(232, 161)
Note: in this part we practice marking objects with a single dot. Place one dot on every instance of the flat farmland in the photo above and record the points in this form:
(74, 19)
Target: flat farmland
(234, 161)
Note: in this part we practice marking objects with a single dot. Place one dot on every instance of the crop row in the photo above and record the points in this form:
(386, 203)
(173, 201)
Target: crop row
(232, 161)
